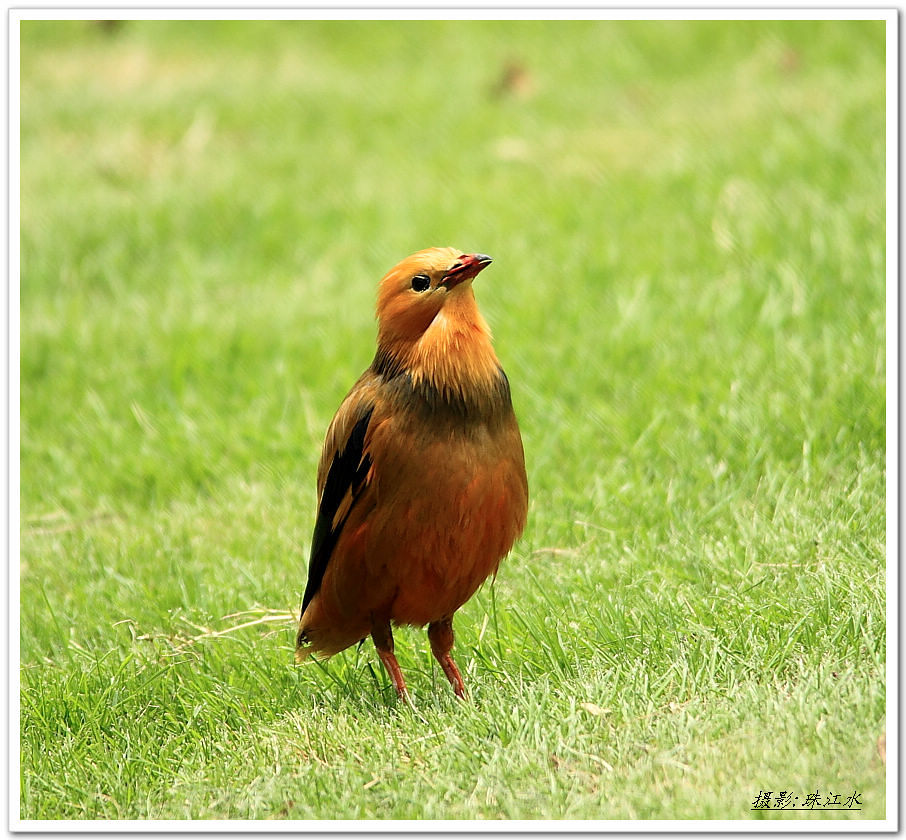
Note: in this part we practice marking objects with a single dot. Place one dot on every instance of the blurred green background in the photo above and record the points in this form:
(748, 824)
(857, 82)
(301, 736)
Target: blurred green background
(687, 221)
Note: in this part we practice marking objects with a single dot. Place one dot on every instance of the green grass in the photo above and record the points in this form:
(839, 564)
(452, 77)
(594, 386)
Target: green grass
(688, 226)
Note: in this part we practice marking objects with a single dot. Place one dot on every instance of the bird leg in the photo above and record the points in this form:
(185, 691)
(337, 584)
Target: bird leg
(383, 643)
(440, 634)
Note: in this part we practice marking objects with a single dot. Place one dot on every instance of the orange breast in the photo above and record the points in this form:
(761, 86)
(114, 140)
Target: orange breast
(443, 509)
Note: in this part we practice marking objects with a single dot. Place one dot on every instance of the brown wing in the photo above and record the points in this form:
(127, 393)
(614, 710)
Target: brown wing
(343, 473)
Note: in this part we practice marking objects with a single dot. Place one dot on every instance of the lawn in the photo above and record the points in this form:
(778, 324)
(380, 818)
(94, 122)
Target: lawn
(688, 294)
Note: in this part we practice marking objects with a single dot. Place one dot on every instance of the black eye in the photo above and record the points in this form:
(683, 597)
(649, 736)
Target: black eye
(421, 282)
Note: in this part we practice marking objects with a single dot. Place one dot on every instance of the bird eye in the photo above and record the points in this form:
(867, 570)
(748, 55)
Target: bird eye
(421, 282)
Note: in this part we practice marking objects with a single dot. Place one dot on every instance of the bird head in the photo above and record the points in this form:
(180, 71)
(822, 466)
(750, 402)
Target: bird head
(414, 292)
(428, 320)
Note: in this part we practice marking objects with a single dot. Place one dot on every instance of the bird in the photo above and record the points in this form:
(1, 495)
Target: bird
(422, 486)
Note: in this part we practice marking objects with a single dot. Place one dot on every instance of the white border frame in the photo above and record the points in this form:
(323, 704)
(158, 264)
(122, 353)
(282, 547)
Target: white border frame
(372, 10)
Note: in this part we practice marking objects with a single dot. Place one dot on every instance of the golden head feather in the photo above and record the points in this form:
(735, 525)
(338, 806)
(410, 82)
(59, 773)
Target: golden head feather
(429, 324)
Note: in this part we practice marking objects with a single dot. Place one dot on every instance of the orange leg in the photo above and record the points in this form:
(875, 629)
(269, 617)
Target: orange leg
(383, 642)
(440, 634)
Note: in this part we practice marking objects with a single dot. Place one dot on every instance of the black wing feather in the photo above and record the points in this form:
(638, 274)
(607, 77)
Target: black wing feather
(348, 471)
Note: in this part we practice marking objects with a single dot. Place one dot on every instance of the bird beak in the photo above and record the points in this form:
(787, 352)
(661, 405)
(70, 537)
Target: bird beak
(465, 268)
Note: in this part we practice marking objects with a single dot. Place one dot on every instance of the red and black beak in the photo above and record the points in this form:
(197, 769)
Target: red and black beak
(465, 268)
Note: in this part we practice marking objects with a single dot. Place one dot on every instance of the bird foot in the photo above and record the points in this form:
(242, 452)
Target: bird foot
(383, 643)
(440, 634)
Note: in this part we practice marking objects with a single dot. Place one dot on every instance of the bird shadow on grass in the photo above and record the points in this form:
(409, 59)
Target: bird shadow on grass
(249, 654)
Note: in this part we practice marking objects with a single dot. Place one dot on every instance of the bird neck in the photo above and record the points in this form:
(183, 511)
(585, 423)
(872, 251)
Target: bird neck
(453, 357)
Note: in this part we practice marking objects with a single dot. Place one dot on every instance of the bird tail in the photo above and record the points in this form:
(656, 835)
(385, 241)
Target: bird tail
(314, 641)
(304, 646)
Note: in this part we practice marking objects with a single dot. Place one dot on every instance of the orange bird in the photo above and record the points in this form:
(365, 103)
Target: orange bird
(421, 485)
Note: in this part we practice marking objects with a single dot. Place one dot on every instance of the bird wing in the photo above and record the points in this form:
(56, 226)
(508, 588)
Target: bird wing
(343, 474)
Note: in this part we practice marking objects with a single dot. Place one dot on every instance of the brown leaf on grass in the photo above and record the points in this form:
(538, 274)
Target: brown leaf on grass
(514, 80)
